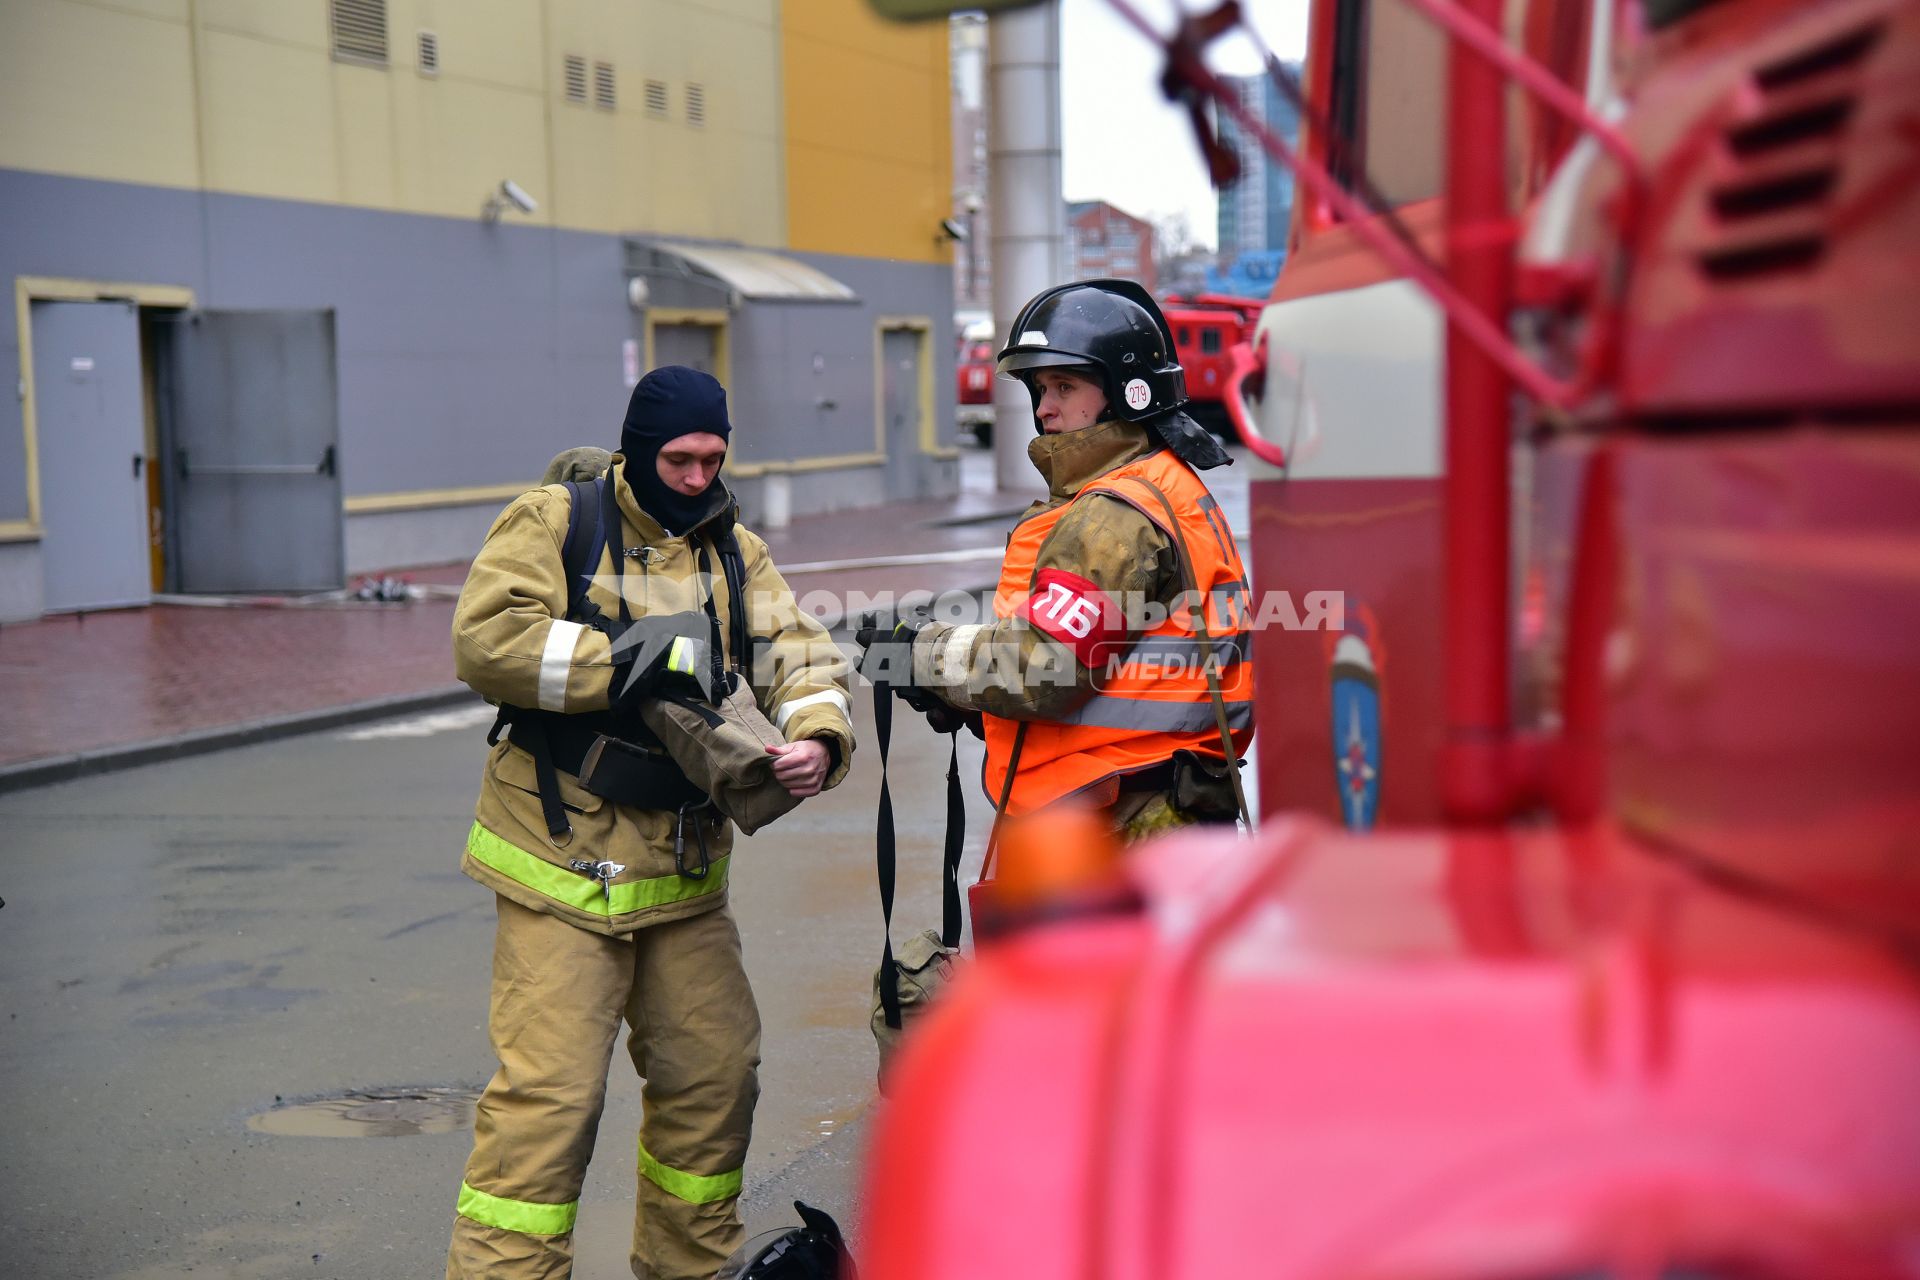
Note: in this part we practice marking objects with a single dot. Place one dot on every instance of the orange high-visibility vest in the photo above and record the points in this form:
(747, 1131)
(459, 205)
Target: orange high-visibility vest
(1152, 697)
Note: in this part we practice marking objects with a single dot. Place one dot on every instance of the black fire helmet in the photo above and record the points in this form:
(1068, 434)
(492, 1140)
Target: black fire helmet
(1112, 327)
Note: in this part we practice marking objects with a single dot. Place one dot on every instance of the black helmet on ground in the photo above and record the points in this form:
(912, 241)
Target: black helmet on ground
(813, 1251)
(1111, 327)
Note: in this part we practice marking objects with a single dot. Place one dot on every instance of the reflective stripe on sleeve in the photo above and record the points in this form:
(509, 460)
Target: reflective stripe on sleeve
(786, 709)
(691, 1187)
(556, 662)
(680, 657)
(583, 892)
(955, 660)
(524, 1216)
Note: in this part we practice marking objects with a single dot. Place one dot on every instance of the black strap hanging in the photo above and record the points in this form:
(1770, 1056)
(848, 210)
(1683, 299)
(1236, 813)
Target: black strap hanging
(956, 837)
(886, 851)
(883, 848)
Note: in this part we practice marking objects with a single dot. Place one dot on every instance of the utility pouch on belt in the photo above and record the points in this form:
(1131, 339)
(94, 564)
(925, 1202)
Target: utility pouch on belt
(722, 749)
(1202, 787)
(627, 773)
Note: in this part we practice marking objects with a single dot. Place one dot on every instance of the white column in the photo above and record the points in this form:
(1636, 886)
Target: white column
(1029, 213)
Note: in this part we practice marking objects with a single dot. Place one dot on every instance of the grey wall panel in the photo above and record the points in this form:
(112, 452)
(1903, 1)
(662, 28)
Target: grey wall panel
(890, 288)
(65, 227)
(20, 582)
(379, 540)
(469, 353)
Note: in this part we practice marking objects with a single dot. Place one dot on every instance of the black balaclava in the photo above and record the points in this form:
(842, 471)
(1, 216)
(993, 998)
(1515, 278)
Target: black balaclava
(670, 402)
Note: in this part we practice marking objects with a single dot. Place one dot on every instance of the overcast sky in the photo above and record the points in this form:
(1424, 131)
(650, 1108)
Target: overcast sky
(1123, 142)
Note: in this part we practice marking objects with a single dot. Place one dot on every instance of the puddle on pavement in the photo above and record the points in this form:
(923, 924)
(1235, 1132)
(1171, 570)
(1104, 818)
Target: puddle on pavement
(372, 1113)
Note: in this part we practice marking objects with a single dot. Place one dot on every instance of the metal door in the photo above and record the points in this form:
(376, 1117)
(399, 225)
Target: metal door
(901, 409)
(90, 434)
(252, 431)
(695, 345)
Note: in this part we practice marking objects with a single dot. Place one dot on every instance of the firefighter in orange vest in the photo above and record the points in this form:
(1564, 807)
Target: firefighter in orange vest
(1116, 669)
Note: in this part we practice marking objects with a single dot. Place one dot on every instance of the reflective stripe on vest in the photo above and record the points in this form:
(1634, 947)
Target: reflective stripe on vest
(1104, 712)
(581, 892)
(1151, 696)
(524, 1216)
(694, 1188)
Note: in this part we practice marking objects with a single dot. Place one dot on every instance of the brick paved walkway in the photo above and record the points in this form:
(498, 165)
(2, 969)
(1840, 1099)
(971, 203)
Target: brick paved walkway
(102, 681)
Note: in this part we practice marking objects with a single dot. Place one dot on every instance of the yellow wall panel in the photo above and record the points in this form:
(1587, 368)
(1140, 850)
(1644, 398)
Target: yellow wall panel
(868, 137)
(307, 23)
(94, 92)
(267, 112)
(497, 41)
(466, 137)
(882, 211)
(363, 132)
(863, 104)
(255, 103)
(586, 191)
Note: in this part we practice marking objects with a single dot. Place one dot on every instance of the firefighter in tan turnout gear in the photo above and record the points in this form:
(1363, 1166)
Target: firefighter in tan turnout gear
(1117, 669)
(610, 868)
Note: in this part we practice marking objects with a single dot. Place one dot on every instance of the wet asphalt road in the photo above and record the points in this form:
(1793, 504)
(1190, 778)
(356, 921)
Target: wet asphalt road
(184, 944)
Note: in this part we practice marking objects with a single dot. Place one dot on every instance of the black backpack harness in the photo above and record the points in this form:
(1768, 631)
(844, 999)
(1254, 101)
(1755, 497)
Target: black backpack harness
(620, 758)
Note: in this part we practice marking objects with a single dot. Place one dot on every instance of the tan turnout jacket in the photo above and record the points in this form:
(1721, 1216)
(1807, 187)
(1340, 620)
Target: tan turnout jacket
(512, 644)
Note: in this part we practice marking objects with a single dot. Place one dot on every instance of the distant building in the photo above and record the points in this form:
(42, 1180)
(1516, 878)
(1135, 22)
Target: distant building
(1105, 241)
(1255, 211)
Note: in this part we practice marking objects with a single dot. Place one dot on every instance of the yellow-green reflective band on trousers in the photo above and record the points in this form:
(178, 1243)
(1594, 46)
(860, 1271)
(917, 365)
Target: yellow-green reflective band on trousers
(583, 892)
(524, 1216)
(681, 656)
(691, 1187)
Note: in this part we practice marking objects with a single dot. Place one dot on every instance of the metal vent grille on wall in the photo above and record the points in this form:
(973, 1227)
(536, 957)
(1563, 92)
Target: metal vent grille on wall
(576, 78)
(1770, 208)
(429, 54)
(360, 30)
(657, 97)
(696, 104)
(603, 85)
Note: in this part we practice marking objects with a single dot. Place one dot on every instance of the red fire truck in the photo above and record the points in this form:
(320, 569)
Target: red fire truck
(1581, 934)
(1206, 328)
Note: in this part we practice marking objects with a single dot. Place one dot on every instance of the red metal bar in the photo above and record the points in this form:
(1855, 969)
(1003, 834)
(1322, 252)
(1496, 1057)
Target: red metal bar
(1475, 774)
(1243, 362)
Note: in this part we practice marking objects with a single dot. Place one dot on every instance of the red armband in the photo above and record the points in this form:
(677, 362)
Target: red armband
(1074, 611)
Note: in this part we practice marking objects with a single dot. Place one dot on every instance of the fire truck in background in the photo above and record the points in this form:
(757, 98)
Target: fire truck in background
(1581, 937)
(1206, 328)
(973, 381)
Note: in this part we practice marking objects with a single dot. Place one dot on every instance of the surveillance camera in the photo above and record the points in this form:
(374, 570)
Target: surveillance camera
(518, 198)
(952, 230)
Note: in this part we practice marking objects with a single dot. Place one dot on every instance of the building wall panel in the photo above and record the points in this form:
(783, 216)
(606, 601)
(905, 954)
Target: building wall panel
(86, 89)
(868, 145)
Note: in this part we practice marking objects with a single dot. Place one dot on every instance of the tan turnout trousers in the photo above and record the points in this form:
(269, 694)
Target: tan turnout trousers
(559, 996)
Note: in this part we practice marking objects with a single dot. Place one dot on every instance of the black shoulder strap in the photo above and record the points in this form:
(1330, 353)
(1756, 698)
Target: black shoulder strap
(581, 549)
(733, 565)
